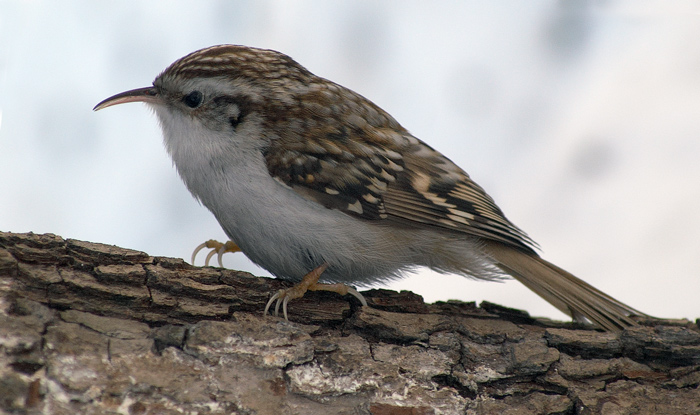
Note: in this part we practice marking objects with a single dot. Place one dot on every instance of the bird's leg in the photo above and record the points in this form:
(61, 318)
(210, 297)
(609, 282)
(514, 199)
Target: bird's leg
(216, 248)
(309, 283)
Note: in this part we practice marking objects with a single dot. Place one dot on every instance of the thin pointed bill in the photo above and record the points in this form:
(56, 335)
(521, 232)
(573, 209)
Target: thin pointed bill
(148, 95)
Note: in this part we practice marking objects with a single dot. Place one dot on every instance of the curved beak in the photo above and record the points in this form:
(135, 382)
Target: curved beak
(148, 95)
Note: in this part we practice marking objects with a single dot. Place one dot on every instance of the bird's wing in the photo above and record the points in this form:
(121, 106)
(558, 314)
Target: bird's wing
(366, 165)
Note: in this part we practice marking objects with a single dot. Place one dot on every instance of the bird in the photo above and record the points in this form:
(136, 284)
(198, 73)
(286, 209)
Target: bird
(320, 186)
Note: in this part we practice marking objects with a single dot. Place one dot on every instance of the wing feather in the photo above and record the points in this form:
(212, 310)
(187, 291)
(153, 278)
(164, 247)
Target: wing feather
(365, 164)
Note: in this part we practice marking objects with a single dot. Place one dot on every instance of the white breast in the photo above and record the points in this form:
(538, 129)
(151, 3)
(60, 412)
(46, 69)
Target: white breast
(273, 225)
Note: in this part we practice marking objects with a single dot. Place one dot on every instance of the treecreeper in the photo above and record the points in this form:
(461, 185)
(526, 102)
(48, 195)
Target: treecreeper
(318, 185)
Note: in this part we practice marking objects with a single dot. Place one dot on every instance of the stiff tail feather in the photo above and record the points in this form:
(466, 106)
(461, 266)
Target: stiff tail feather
(560, 288)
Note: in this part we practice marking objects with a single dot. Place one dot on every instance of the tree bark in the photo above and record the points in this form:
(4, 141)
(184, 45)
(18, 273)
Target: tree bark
(87, 328)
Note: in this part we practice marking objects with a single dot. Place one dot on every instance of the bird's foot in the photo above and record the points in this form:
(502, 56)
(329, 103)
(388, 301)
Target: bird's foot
(216, 248)
(309, 283)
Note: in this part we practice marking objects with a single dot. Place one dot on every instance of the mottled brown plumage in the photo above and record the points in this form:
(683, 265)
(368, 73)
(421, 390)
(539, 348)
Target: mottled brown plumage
(248, 128)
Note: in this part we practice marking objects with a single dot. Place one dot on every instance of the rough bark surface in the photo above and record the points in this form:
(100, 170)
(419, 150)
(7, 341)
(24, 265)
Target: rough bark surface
(87, 328)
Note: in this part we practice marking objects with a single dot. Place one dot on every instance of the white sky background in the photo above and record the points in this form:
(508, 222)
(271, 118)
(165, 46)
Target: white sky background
(579, 118)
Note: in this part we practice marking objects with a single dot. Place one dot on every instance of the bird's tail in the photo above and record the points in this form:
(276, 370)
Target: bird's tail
(564, 291)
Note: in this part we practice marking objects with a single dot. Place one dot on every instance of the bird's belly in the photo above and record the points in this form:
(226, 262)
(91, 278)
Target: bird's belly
(290, 236)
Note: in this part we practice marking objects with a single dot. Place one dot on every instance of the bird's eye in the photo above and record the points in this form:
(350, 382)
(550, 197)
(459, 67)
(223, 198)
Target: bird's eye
(193, 99)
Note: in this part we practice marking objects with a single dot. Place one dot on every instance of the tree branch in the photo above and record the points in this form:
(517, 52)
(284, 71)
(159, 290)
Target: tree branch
(92, 328)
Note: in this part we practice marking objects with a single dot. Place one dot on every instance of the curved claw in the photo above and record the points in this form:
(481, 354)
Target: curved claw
(284, 307)
(277, 305)
(276, 296)
(357, 295)
(208, 258)
(308, 283)
(196, 251)
(280, 298)
(217, 248)
(220, 253)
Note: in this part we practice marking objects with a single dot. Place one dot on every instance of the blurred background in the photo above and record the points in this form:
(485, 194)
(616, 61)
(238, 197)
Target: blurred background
(580, 118)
